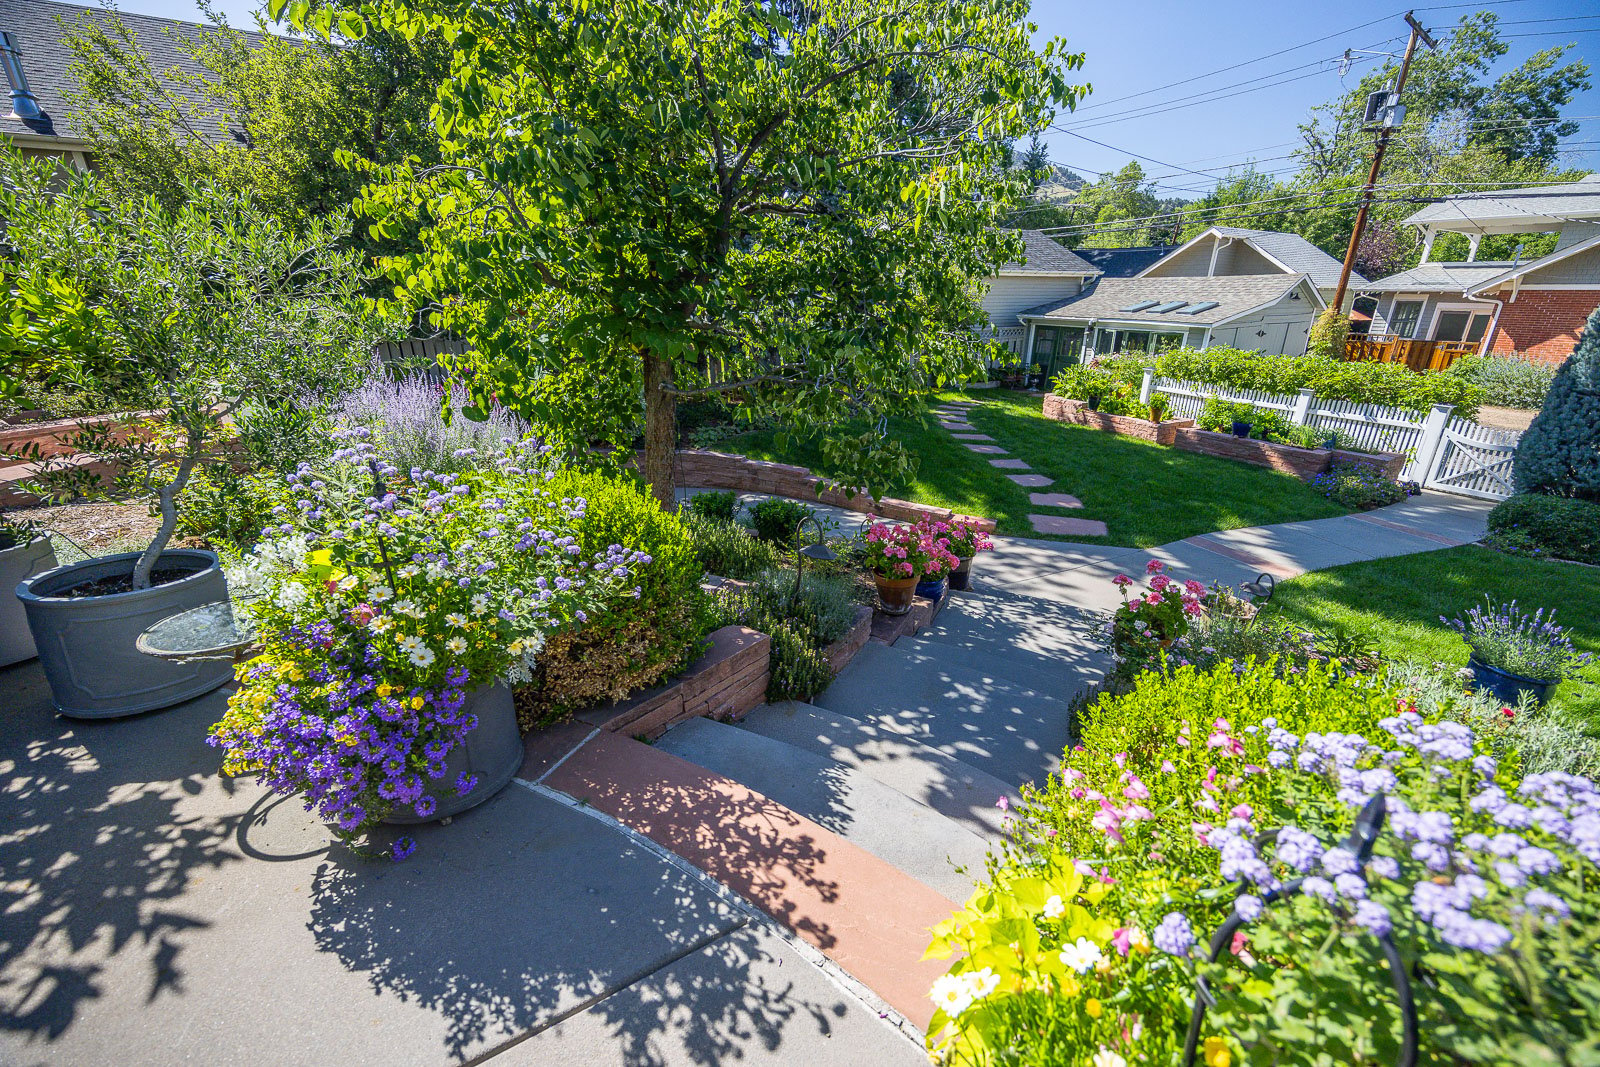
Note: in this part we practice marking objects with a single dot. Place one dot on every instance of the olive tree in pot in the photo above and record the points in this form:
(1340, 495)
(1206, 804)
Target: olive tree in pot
(181, 313)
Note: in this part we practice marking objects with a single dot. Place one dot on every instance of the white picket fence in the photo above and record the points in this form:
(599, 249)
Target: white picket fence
(1447, 453)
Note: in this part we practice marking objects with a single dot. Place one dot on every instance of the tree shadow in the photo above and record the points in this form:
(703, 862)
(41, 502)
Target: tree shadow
(525, 913)
(99, 840)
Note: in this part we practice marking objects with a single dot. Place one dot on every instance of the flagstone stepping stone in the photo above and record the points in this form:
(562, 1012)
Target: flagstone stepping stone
(1060, 524)
(958, 426)
(1054, 500)
(1030, 481)
(988, 450)
(972, 437)
(1009, 464)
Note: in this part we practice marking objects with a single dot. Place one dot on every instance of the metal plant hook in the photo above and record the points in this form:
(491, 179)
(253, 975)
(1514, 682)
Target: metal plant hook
(1363, 838)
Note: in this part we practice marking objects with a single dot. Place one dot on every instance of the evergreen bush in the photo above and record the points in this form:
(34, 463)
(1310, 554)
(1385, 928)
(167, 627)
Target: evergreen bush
(1560, 453)
(1538, 525)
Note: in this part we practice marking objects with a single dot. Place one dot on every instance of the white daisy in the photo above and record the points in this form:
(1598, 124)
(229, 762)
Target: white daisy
(379, 593)
(951, 994)
(410, 570)
(456, 619)
(480, 603)
(455, 646)
(1080, 955)
(1054, 908)
(408, 607)
(410, 643)
(423, 657)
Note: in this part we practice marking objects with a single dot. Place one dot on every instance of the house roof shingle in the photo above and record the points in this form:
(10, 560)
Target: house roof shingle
(1106, 297)
(42, 48)
(1294, 252)
(1438, 277)
(1045, 256)
(1123, 262)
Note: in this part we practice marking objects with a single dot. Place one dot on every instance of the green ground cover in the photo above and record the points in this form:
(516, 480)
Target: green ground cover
(1146, 495)
(1398, 601)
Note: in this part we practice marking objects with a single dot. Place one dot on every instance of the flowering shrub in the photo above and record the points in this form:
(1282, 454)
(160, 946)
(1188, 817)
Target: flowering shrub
(1148, 622)
(1532, 646)
(385, 599)
(1200, 797)
(1359, 485)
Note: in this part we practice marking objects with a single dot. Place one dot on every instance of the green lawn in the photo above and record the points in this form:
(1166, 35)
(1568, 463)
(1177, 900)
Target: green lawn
(1398, 601)
(1145, 494)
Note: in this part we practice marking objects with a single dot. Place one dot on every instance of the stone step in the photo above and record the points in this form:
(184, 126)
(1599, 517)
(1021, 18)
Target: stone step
(1060, 677)
(936, 779)
(935, 850)
(1011, 730)
(1001, 622)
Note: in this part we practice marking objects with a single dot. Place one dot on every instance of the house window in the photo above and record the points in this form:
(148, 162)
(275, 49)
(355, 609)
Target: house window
(1403, 318)
(1056, 346)
(1135, 342)
(1461, 326)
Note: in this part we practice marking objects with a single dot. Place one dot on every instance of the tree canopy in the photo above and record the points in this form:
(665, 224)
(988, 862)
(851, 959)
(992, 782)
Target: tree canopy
(784, 204)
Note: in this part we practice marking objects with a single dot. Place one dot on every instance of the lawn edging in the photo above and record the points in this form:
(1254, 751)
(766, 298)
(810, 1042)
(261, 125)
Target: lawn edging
(1078, 413)
(703, 469)
(1303, 463)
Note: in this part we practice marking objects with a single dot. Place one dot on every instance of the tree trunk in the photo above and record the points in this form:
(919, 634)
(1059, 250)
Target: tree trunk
(660, 429)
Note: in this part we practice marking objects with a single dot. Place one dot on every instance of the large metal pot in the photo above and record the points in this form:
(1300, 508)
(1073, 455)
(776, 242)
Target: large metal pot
(86, 644)
(17, 563)
(492, 751)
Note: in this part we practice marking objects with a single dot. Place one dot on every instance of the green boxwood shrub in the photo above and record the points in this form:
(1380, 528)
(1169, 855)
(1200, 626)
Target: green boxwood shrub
(1551, 526)
(777, 520)
(636, 641)
(1508, 381)
(1192, 796)
(1332, 379)
(715, 505)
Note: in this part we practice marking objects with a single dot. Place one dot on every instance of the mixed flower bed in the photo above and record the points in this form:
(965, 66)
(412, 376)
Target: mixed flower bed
(384, 599)
(1200, 797)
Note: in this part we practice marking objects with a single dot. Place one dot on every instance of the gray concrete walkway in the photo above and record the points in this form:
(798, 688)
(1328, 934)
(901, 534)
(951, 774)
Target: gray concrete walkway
(1081, 574)
(153, 912)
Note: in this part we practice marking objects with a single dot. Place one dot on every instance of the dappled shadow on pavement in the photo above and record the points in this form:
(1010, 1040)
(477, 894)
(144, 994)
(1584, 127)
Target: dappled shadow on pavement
(99, 841)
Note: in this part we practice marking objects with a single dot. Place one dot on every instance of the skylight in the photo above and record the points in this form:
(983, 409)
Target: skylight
(1140, 306)
(1170, 305)
(1204, 305)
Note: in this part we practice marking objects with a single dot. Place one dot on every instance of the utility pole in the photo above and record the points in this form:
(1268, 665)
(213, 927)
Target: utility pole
(1393, 113)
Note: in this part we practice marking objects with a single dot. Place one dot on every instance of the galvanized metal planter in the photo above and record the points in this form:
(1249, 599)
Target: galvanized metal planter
(18, 563)
(87, 644)
(492, 751)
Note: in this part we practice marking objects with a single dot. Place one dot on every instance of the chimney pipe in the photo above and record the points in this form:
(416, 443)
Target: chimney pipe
(24, 105)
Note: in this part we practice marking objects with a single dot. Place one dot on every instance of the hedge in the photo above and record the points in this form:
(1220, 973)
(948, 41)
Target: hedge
(1361, 382)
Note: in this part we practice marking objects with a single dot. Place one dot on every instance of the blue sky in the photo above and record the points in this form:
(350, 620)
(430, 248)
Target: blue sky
(1135, 49)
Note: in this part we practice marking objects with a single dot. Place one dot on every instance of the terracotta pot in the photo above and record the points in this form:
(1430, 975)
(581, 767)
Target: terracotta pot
(895, 594)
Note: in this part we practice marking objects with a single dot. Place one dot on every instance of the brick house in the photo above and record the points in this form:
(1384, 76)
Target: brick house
(1535, 307)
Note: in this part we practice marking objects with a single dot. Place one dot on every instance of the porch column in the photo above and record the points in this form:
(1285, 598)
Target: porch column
(1472, 246)
(1427, 245)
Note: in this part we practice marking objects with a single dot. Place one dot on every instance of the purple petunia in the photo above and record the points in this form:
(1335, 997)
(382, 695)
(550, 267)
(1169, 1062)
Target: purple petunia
(403, 847)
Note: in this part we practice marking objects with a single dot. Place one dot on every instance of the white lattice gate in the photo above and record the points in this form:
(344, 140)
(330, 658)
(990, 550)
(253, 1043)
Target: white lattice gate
(1474, 460)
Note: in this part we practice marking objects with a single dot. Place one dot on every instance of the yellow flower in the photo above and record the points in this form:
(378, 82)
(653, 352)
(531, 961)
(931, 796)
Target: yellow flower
(1092, 1006)
(351, 740)
(385, 690)
(417, 702)
(1069, 985)
(1217, 1053)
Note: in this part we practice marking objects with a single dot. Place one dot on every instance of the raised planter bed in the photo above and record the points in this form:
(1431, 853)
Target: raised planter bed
(702, 469)
(841, 652)
(1079, 413)
(1303, 463)
(725, 683)
(1389, 464)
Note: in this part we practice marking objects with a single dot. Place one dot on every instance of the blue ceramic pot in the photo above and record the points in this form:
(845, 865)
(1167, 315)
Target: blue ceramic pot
(931, 588)
(1505, 685)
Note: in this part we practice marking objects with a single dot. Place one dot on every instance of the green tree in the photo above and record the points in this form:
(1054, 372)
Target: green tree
(1119, 203)
(268, 116)
(648, 201)
(1560, 452)
(191, 310)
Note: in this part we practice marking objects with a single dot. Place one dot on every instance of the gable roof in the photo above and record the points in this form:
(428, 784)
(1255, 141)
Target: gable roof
(1439, 277)
(45, 57)
(1044, 256)
(1293, 253)
(1234, 295)
(1533, 207)
(1519, 270)
(1124, 262)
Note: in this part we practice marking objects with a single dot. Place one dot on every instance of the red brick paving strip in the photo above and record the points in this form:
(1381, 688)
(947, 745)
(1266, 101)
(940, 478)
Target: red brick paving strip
(865, 915)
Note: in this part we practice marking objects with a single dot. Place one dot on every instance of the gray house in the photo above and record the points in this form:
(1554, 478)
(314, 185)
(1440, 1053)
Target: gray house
(1225, 251)
(1265, 312)
(1046, 272)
